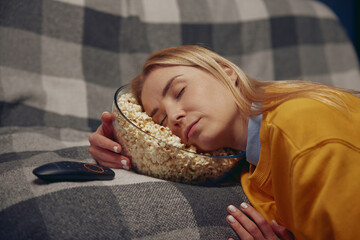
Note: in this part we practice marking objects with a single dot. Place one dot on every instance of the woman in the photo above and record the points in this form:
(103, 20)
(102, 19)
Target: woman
(302, 140)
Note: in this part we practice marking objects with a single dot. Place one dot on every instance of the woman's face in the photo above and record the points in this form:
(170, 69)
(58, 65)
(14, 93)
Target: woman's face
(196, 106)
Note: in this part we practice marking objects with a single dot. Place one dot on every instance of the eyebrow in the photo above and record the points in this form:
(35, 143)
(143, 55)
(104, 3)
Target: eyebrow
(165, 90)
(168, 85)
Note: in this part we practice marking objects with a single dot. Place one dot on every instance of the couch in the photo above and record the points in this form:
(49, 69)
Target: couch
(62, 61)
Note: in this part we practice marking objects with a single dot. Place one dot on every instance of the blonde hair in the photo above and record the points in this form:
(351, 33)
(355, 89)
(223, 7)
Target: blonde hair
(246, 91)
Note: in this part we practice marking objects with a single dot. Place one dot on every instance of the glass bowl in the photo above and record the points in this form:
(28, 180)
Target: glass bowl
(161, 155)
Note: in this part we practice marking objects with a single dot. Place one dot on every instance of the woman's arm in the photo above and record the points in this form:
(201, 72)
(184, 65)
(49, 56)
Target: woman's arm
(250, 224)
(104, 149)
(325, 187)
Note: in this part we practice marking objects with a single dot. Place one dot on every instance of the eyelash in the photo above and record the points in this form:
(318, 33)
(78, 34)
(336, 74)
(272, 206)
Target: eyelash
(162, 122)
(177, 97)
(180, 93)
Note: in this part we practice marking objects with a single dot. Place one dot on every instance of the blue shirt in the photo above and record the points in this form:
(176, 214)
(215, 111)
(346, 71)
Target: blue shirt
(253, 140)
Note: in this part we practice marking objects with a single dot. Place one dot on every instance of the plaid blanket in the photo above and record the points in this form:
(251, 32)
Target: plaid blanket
(60, 64)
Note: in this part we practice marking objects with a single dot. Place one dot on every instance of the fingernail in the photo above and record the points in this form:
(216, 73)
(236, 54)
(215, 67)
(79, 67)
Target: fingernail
(243, 205)
(275, 223)
(115, 149)
(232, 208)
(231, 219)
(124, 163)
(104, 113)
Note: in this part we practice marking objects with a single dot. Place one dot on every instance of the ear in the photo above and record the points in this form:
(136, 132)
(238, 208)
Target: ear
(232, 74)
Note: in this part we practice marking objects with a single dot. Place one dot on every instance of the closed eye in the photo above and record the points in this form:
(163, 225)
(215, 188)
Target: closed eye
(162, 121)
(180, 93)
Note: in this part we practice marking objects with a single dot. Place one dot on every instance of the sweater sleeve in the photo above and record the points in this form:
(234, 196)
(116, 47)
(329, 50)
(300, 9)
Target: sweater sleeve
(325, 185)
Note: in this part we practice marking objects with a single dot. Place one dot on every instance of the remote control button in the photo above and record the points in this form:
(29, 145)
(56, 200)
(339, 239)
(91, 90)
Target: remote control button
(94, 168)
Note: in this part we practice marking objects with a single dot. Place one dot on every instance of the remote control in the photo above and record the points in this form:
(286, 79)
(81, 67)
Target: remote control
(73, 171)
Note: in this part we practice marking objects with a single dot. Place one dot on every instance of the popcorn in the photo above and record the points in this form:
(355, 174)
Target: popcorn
(157, 152)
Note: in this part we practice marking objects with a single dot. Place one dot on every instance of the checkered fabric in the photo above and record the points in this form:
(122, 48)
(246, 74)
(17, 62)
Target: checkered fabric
(60, 64)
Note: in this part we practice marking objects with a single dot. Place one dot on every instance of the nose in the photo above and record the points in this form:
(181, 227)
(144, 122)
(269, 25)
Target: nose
(176, 117)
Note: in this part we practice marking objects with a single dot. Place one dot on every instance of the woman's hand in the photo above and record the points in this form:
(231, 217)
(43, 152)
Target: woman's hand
(250, 224)
(104, 149)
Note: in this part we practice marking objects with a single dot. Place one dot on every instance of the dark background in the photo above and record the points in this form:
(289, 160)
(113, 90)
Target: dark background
(349, 13)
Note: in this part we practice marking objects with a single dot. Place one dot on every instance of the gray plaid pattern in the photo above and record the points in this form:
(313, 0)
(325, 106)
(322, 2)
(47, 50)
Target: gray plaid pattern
(60, 64)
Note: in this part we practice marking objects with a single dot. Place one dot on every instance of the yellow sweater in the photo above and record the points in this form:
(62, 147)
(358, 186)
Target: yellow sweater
(308, 175)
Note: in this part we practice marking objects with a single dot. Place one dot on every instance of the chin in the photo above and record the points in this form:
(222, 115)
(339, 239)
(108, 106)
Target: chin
(208, 143)
(206, 148)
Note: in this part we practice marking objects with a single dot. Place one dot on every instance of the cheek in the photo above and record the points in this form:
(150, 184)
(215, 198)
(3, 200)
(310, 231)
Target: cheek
(199, 98)
(149, 103)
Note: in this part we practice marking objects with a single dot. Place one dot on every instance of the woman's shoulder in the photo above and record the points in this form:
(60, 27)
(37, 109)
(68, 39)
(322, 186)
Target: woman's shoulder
(306, 119)
(297, 109)
(304, 107)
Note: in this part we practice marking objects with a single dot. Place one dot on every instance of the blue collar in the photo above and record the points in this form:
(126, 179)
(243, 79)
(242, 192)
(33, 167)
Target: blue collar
(253, 140)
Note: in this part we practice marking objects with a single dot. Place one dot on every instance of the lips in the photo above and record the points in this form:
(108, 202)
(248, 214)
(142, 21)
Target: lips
(189, 131)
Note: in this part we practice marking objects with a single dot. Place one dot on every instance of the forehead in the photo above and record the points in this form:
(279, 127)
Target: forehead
(161, 74)
(155, 82)
(157, 79)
